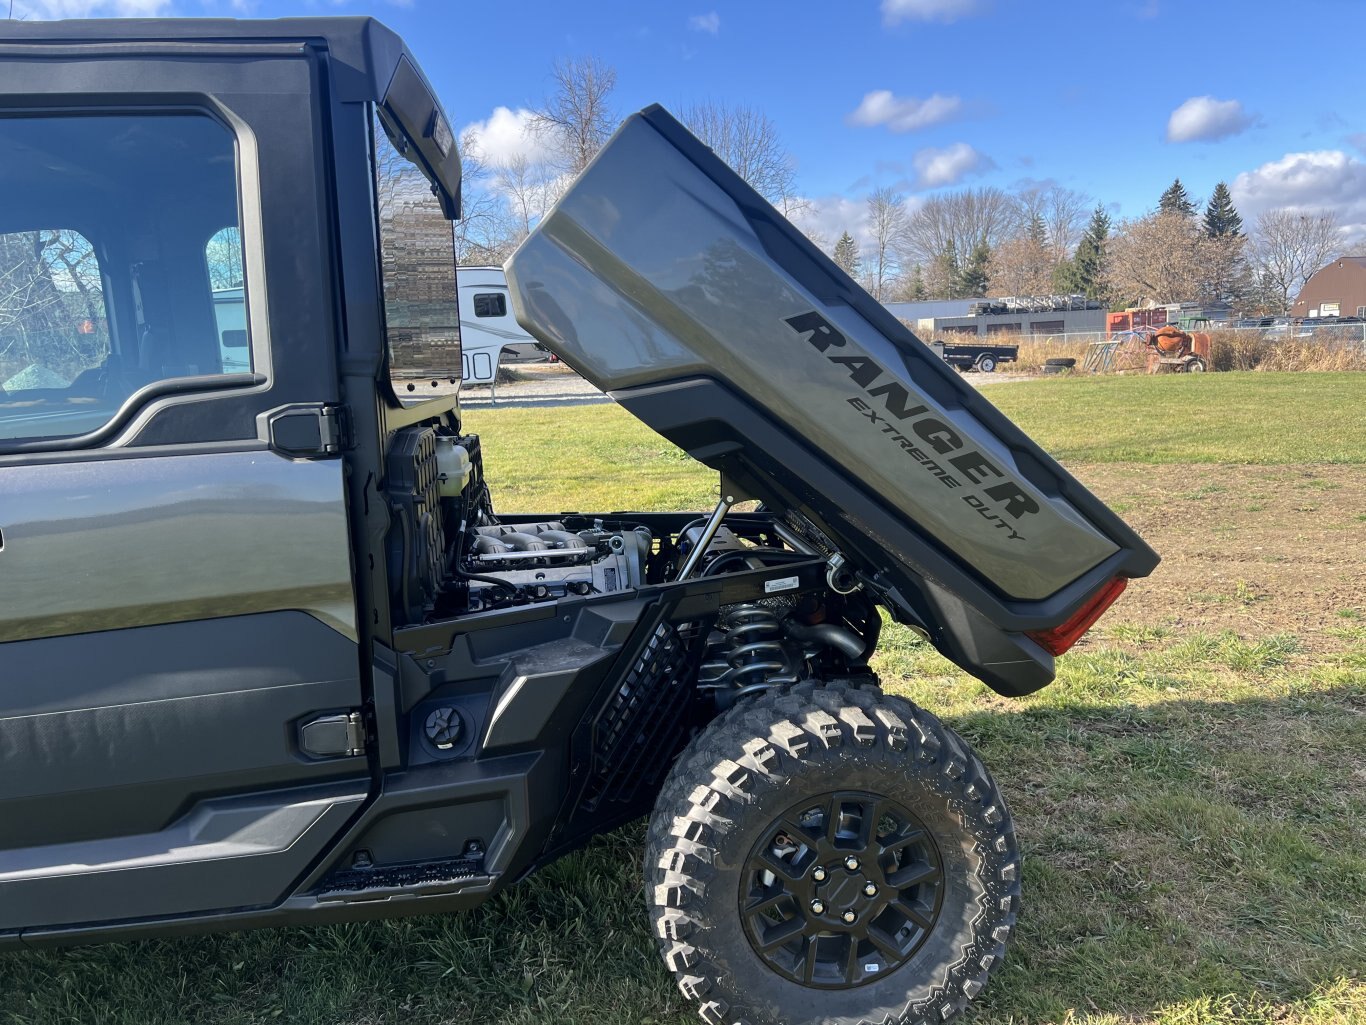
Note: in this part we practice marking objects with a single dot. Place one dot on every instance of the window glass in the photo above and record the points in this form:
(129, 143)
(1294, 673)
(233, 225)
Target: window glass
(223, 258)
(107, 283)
(417, 268)
(490, 304)
(53, 326)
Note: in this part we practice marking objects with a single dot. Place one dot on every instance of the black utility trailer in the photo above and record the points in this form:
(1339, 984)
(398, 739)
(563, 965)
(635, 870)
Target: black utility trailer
(973, 356)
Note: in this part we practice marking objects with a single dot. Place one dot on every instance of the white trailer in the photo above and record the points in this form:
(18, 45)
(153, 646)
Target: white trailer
(488, 330)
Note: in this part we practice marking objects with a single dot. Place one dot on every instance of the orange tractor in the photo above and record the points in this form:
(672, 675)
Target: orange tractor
(1173, 351)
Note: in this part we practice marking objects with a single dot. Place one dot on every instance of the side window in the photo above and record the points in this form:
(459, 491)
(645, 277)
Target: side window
(417, 270)
(107, 282)
(490, 304)
(223, 259)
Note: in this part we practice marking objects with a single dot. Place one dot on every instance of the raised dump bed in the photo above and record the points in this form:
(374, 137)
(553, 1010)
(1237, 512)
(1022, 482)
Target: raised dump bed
(669, 283)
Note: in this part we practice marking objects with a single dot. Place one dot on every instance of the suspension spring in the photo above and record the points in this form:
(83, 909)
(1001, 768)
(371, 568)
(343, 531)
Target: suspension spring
(749, 655)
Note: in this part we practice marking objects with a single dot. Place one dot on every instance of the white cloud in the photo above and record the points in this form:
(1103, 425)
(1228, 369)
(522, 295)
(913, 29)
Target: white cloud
(904, 113)
(506, 134)
(948, 166)
(1321, 180)
(1204, 119)
(830, 216)
(709, 22)
(44, 9)
(894, 11)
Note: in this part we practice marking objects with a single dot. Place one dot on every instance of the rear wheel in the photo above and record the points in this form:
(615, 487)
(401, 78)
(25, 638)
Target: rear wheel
(986, 364)
(831, 854)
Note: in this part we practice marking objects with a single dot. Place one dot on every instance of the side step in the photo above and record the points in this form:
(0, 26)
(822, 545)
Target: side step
(424, 879)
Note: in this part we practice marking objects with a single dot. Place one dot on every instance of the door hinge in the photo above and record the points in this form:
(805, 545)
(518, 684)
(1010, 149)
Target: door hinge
(306, 430)
(339, 735)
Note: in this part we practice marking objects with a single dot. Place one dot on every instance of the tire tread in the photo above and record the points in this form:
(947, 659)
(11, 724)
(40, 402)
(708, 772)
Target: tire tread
(746, 747)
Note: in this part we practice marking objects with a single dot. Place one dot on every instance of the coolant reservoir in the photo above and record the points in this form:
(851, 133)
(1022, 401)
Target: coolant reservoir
(453, 467)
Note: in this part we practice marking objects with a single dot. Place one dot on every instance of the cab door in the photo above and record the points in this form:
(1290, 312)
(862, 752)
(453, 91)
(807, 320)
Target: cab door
(180, 686)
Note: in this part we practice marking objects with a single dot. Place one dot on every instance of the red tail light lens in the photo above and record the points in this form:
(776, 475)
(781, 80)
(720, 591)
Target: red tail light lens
(1060, 638)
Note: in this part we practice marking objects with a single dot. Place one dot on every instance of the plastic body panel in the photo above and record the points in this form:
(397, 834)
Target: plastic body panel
(652, 269)
(106, 544)
(130, 741)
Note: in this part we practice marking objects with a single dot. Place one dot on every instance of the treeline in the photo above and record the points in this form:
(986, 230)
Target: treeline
(987, 242)
(1041, 239)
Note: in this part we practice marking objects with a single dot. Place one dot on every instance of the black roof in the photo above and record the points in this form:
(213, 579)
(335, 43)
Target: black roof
(359, 44)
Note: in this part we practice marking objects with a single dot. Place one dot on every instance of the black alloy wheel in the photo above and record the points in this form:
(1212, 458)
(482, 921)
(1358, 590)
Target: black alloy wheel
(841, 890)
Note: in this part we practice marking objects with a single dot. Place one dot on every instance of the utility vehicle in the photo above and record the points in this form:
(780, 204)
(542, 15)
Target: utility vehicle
(270, 654)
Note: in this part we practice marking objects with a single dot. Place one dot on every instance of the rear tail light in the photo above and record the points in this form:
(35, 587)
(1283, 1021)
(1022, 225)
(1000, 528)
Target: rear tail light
(1059, 638)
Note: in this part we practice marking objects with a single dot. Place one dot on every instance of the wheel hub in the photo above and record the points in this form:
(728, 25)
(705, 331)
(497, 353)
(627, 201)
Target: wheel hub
(841, 890)
(847, 890)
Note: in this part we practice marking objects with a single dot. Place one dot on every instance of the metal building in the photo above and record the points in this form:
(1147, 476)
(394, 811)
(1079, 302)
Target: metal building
(1022, 315)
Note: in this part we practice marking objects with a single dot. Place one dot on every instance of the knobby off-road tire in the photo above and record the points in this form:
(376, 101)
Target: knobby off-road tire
(771, 763)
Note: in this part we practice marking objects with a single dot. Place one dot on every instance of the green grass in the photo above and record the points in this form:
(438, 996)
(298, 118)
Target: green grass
(1192, 806)
(547, 460)
(1211, 418)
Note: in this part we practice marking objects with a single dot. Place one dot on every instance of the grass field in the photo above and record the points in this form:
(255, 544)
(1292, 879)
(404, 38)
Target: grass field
(1191, 793)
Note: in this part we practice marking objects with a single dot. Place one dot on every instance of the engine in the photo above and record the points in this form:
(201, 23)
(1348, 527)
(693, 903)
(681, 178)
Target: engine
(540, 561)
(449, 553)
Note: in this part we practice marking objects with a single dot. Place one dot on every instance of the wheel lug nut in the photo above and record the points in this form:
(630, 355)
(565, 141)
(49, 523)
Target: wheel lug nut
(870, 890)
(818, 906)
(818, 874)
(849, 917)
(851, 863)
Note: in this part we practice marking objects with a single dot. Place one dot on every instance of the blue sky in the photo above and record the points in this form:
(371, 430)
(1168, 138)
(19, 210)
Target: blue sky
(926, 94)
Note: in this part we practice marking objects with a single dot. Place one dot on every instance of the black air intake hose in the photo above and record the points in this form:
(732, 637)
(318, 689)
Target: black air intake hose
(838, 637)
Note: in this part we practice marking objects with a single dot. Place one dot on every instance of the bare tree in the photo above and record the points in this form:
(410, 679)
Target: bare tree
(1158, 258)
(223, 254)
(577, 115)
(886, 223)
(748, 141)
(51, 303)
(1022, 265)
(530, 190)
(1288, 247)
(1061, 211)
(1065, 215)
(959, 220)
(25, 289)
(485, 232)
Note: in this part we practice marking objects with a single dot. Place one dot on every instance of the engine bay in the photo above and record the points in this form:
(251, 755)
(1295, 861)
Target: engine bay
(452, 556)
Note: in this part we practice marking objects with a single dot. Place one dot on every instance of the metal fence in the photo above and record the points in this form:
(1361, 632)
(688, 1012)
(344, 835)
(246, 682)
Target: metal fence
(1333, 334)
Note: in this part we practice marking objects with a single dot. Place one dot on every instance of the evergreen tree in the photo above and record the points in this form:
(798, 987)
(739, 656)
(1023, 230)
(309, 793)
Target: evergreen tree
(915, 286)
(1084, 273)
(846, 255)
(946, 272)
(1221, 217)
(1176, 200)
(1037, 233)
(972, 279)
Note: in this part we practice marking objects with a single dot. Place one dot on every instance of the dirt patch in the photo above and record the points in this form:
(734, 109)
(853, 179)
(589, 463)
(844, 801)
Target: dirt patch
(1253, 549)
